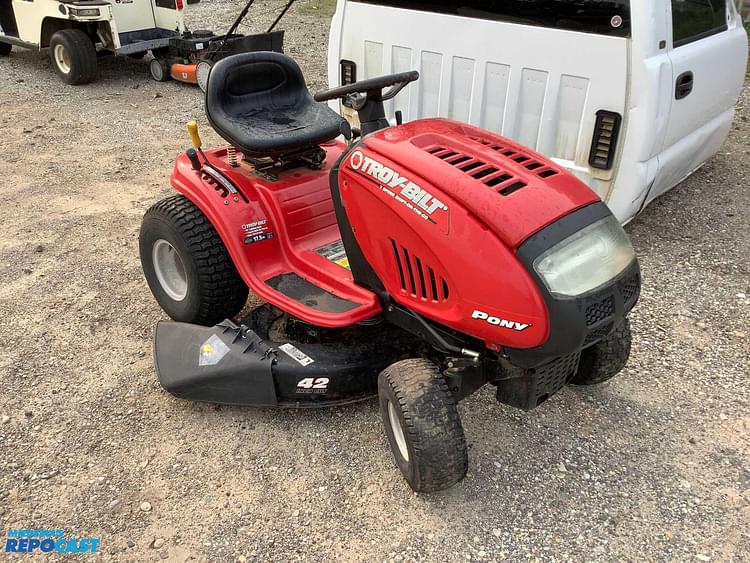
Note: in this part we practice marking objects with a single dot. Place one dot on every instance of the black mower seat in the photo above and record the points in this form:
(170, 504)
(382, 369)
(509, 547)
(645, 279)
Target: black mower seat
(260, 104)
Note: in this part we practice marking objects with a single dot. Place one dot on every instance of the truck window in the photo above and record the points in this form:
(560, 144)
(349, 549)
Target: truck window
(605, 17)
(695, 19)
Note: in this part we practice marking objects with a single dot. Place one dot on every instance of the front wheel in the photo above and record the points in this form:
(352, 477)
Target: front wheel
(187, 265)
(73, 55)
(422, 424)
(159, 70)
(606, 358)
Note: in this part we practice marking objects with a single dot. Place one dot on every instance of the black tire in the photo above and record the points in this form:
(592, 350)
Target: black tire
(606, 358)
(5, 49)
(159, 70)
(426, 411)
(80, 54)
(215, 291)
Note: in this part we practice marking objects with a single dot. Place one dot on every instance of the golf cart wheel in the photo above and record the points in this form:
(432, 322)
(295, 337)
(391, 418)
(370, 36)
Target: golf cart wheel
(159, 70)
(73, 56)
(187, 266)
(5, 49)
(606, 358)
(422, 424)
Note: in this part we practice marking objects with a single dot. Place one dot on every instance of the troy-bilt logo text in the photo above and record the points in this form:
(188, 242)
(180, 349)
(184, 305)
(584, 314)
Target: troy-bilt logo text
(389, 178)
(482, 316)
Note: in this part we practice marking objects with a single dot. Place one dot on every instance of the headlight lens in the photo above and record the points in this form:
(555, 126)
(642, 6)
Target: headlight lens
(584, 261)
(84, 12)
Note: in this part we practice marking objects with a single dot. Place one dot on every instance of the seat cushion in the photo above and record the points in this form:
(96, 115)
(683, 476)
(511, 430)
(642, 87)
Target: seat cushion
(259, 103)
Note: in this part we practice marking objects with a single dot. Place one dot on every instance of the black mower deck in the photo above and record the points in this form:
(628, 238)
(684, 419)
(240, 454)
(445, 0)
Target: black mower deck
(271, 360)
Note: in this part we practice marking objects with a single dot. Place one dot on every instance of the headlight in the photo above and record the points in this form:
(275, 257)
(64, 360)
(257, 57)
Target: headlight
(84, 12)
(584, 261)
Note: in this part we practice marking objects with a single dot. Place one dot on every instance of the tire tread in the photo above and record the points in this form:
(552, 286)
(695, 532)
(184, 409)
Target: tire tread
(432, 422)
(222, 291)
(82, 54)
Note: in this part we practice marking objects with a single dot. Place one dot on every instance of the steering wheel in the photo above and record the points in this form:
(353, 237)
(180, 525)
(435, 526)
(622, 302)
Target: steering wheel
(372, 87)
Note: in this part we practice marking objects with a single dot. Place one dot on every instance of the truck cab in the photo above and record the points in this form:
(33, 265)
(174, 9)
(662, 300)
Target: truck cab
(630, 96)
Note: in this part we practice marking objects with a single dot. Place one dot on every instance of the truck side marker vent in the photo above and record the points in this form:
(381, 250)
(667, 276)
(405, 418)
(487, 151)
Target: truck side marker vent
(604, 143)
(417, 279)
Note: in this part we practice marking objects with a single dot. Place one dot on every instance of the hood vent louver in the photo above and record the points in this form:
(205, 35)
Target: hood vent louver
(417, 279)
(501, 181)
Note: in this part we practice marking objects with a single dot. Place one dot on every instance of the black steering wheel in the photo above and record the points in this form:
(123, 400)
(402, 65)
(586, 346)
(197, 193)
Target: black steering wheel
(372, 87)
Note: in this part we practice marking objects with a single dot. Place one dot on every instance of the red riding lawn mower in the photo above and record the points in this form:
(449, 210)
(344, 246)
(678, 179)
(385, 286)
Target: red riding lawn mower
(417, 262)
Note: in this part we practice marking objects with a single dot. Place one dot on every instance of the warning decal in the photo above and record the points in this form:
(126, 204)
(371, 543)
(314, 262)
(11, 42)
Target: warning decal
(335, 253)
(296, 354)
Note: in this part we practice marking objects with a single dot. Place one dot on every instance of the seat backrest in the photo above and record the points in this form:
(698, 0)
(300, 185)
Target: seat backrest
(253, 82)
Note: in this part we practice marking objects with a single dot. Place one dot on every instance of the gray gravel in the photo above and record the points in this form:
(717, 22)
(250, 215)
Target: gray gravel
(654, 465)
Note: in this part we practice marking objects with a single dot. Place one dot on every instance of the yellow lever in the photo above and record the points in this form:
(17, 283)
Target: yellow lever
(195, 137)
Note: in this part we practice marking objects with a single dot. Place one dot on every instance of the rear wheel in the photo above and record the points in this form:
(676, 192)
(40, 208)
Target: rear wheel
(187, 266)
(422, 424)
(606, 358)
(5, 49)
(159, 70)
(73, 55)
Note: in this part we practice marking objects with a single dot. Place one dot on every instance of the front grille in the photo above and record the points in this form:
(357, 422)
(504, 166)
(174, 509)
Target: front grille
(629, 288)
(552, 377)
(597, 334)
(599, 311)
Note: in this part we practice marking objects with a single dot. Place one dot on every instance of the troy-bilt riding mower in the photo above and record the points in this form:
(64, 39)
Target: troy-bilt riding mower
(419, 262)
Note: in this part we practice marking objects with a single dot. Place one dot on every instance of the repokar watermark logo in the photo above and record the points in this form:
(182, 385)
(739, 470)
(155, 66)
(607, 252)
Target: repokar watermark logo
(22, 540)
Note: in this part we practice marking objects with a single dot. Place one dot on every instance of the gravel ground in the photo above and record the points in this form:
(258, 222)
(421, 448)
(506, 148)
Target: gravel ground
(654, 465)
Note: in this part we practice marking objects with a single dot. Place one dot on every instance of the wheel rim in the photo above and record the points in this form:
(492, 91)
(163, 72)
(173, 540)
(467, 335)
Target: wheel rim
(201, 74)
(398, 431)
(156, 69)
(62, 59)
(169, 269)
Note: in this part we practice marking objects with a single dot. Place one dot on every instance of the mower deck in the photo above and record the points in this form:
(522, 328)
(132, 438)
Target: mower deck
(283, 236)
(271, 360)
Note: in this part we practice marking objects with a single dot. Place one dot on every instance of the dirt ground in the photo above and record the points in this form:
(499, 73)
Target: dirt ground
(654, 465)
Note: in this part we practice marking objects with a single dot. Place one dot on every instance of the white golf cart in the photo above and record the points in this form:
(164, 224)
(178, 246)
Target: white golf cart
(631, 96)
(74, 29)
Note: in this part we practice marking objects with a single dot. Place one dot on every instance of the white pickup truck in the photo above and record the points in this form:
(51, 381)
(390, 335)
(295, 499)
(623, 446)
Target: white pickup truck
(631, 96)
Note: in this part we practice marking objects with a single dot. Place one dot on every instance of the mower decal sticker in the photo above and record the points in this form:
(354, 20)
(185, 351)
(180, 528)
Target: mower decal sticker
(400, 188)
(334, 252)
(256, 231)
(212, 351)
(309, 385)
(496, 321)
(296, 354)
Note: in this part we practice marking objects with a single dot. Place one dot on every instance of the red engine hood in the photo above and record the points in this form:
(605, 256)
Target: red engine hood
(512, 189)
